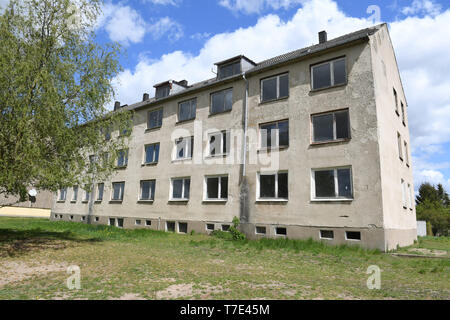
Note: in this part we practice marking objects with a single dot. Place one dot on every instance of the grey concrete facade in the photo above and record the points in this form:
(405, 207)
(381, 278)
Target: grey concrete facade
(377, 208)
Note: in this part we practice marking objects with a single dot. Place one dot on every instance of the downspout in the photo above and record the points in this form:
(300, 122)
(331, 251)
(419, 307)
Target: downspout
(244, 171)
(244, 190)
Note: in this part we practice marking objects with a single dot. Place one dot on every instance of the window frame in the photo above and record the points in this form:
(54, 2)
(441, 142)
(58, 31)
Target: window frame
(62, 191)
(402, 106)
(221, 133)
(331, 62)
(190, 105)
(396, 101)
(189, 149)
(211, 101)
(336, 185)
(183, 191)
(335, 140)
(400, 146)
(219, 188)
(152, 193)
(154, 162)
(276, 198)
(277, 136)
(161, 109)
(122, 197)
(405, 147)
(75, 194)
(98, 192)
(126, 153)
(278, 76)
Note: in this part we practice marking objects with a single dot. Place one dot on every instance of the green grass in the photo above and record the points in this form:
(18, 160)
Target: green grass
(115, 263)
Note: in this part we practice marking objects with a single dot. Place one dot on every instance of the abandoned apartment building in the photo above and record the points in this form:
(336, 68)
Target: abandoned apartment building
(332, 120)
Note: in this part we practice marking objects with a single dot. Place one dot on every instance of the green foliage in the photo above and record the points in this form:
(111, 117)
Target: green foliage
(236, 234)
(433, 207)
(55, 81)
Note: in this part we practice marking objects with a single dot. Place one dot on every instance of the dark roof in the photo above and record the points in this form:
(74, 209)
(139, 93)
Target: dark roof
(270, 63)
(239, 57)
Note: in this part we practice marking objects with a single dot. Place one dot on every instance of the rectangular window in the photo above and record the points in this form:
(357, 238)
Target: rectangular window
(87, 196)
(120, 222)
(332, 184)
(118, 191)
(225, 227)
(404, 196)
(333, 126)
(328, 74)
(122, 158)
(151, 153)
(112, 222)
(406, 153)
(75, 194)
(62, 194)
(184, 148)
(162, 92)
(210, 226)
(221, 101)
(273, 186)
(100, 190)
(274, 135)
(275, 87)
(260, 230)
(182, 227)
(180, 189)
(399, 143)
(353, 235)
(280, 231)
(326, 234)
(396, 101)
(216, 188)
(219, 143)
(410, 201)
(403, 113)
(186, 110)
(155, 118)
(229, 70)
(148, 223)
(138, 222)
(147, 190)
(170, 226)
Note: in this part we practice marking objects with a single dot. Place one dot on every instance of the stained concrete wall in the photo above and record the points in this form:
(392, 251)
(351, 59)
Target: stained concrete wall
(399, 222)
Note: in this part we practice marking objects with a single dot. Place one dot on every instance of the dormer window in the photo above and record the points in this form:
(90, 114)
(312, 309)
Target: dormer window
(229, 70)
(233, 66)
(162, 92)
(165, 89)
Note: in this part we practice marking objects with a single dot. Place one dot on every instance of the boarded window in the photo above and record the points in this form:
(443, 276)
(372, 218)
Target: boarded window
(147, 190)
(221, 101)
(329, 74)
(275, 134)
(152, 153)
(331, 126)
(187, 109)
(275, 87)
(155, 119)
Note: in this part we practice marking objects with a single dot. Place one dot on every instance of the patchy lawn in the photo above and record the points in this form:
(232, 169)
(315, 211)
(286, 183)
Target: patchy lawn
(143, 264)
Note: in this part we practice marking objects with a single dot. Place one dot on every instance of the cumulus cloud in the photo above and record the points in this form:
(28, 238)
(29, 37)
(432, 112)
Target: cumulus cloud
(164, 26)
(164, 2)
(427, 7)
(257, 6)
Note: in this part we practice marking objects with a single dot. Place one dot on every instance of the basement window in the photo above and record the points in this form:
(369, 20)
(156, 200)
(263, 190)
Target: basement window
(148, 223)
(273, 186)
(118, 191)
(60, 216)
(225, 227)
(210, 227)
(97, 219)
(274, 134)
(147, 190)
(221, 101)
(83, 218)
(112, 222)
(186, 110)
(180, 189)
(280, 231)
(138, 222)
(327, 234)
(184, 148)
(216, 188)
(151, 153)
(170, 226)
(182, 227)
(275, 87)
(330, 184)
(219, 143)
(120, 222)
(328, 74)
(353, 235)
(333, 126)
(260, 230)
(71, 217)
(155, 118)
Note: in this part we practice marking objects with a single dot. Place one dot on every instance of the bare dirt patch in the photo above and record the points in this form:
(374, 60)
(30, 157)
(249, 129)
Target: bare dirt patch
(18, 271)
(175, 291)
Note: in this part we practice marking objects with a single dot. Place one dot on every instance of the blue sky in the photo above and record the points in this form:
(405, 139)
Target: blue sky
(182, 39)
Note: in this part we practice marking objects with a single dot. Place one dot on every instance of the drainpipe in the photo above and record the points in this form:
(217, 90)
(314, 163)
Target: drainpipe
(244, 190)
(244, 172)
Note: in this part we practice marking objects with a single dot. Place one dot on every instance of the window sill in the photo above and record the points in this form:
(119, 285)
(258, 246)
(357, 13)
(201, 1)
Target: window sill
(115, 201)
(150, 164)
(321, 143)
(121, 167)
(85, 201)
(221, 155)
(332, 200)
(328, 239)
(274, 149)
(273, 100)
(98, 201)
(330, 87)
(146, 201)
(215, 200)
(272, 200)
(181, 160)
(178, 200)
(398, 114)
(60, 201)
(152, 129)
(184, 121)
(218, 113)
(73, 201)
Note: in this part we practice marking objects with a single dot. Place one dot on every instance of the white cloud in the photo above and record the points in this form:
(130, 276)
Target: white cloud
(257, 6)
(122, 23)
(166, 25)
(200, 36)
(431, 176)
(164, 2)
(427, 7)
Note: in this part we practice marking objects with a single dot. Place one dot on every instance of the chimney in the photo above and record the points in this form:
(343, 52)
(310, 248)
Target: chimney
(145, 97)
(183, 83)
(116, 105)
(322, 36)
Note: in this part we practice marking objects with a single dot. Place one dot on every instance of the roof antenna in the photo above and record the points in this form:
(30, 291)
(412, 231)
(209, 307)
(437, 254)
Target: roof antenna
(212, 70)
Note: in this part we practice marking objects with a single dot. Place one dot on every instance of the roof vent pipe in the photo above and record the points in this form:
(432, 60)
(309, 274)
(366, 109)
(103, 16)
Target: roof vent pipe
(116, 105)
(145, 97)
